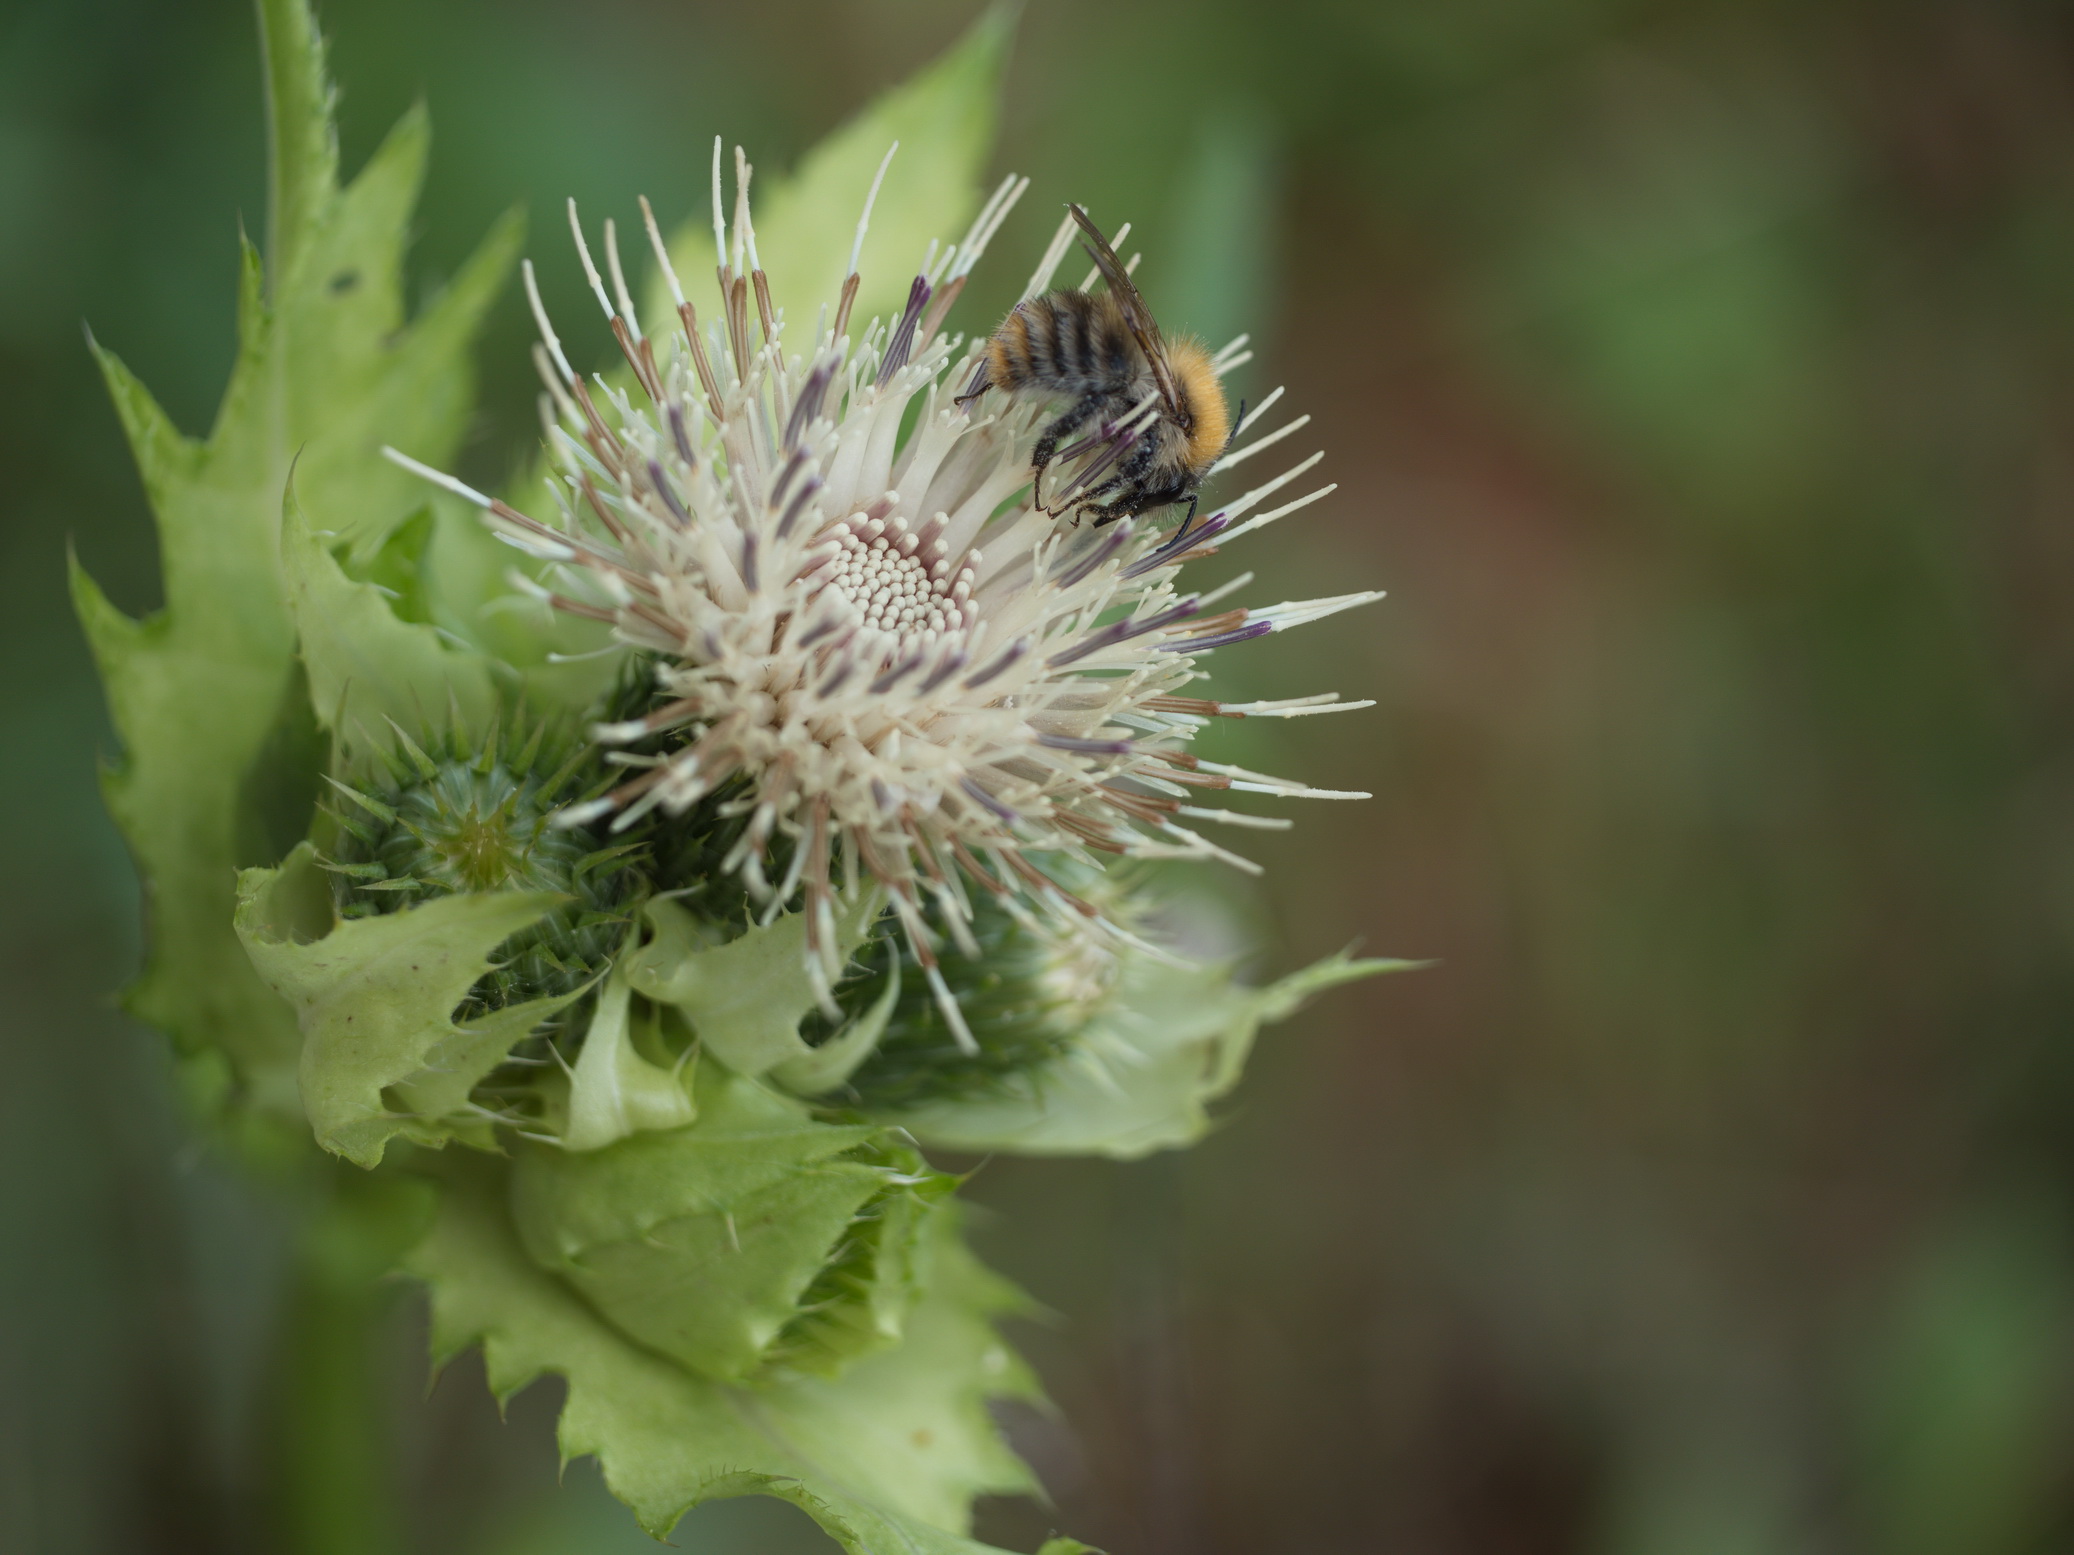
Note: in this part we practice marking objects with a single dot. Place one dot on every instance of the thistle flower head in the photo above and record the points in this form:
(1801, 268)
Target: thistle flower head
(861, 615)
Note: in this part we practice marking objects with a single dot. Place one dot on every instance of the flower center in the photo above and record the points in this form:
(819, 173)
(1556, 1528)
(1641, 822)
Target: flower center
(901, 582)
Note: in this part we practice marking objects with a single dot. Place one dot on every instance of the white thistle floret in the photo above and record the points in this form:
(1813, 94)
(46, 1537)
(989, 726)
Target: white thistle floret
(923, 677)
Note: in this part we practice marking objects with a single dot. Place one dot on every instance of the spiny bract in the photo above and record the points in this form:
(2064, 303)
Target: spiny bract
(446, 815)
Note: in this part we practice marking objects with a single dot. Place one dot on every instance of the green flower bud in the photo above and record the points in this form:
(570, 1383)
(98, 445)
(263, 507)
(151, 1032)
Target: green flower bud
(458, 820)
(1024, 997)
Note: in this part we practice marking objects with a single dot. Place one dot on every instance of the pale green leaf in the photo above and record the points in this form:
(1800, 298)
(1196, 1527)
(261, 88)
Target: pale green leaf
(398, 568)
(887, 1457)
(375, 998)
(187, 829)
(943, 118)
(206, 696)
(302, 106)
(437, 1094)
(702, 1241)
(1142, 1077)
(613, 1090)
(834, 1061)
(744, 998)
(564, 663)
(370, 673)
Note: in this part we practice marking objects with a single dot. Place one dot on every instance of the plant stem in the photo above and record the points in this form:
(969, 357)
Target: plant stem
(333, 1486)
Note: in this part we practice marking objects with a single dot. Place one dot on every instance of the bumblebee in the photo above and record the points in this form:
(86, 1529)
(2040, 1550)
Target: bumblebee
(1157, 410)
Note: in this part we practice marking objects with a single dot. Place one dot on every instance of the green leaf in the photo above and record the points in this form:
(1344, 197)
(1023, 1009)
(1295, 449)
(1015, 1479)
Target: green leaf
(369, 672)
(1141, 1078)
(327, 365)
(834, 1061)
(887, 1458)
(706, 1242)
(434, 1098)
(301, 108)
(744, 998)
(944, 120)
(375, 999)
(398, 568)
(613, 1090)
(564, 663)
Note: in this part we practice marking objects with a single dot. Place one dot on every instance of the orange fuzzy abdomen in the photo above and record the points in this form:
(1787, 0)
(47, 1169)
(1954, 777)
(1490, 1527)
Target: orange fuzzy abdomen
(1008, 352)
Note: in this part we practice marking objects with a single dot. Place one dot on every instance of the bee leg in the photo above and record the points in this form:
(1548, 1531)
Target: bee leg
(1048, 445)
(1128, 503)
(1121, 507)
(1059, 430)
(1138, 498)
(1137, 455)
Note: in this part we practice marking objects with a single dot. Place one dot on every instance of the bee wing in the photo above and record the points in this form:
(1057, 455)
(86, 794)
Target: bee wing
(1136, 316)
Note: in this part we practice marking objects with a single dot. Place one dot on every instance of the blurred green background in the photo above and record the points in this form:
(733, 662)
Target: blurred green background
(1700, 380)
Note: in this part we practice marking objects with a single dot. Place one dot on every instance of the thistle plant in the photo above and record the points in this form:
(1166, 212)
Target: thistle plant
(645, 868)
